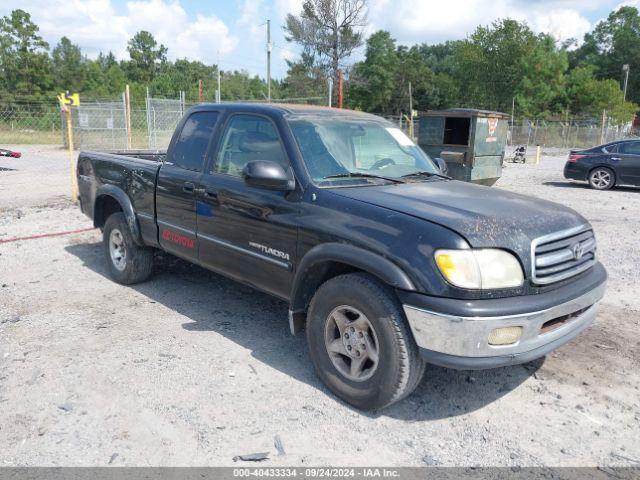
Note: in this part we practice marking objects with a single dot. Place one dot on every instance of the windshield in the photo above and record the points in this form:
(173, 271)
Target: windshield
(340, 150)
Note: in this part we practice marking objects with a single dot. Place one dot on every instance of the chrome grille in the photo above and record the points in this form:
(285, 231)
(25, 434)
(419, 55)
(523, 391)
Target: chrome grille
(562, 254)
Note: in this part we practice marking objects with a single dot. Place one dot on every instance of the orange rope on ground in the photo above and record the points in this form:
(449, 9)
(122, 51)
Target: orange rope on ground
(45, 235)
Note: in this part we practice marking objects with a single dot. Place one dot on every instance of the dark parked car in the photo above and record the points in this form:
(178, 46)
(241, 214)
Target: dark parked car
(604, 166)
(386, 261)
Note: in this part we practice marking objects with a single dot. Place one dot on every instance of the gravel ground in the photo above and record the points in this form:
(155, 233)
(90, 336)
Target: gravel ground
(190, 368)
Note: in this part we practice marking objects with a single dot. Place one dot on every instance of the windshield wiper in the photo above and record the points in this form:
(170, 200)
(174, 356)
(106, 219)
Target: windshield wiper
(362, 175)
(425, 174)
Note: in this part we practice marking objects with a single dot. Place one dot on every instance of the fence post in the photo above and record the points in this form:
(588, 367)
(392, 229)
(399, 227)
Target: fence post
(128, 115)
(74, 185)
(148, 106)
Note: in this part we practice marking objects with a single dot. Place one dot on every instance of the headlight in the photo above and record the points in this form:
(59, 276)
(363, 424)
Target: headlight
(480, 269)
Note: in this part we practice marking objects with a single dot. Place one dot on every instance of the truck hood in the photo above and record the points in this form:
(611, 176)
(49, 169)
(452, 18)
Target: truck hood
(484, 216)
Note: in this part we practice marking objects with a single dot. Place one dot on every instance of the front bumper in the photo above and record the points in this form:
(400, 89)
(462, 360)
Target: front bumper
(457, 341)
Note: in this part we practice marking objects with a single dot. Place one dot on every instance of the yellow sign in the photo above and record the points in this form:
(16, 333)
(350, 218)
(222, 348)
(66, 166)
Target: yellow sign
(71, 99)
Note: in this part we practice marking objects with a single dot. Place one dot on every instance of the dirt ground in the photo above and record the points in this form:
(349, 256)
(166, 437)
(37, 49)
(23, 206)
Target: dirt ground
(190, 368)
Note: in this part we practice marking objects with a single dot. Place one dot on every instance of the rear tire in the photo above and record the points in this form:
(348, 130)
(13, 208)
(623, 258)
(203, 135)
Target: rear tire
(602, 178)
(128, 262)
(360, 343)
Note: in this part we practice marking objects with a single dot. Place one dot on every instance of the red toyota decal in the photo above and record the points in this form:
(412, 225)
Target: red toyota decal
(174, 237)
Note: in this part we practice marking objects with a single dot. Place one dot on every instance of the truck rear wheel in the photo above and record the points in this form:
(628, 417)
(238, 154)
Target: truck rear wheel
(360, 343)
(128, 262)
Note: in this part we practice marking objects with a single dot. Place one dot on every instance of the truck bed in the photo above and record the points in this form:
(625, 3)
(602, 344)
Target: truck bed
(133, 171)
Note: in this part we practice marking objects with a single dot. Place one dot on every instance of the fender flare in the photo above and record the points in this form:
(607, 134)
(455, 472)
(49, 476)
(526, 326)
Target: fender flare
(127, 208)
(357, 257)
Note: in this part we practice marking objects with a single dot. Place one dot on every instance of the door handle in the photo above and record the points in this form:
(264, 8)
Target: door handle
(210, 194)
(615, 159)
(188, 187)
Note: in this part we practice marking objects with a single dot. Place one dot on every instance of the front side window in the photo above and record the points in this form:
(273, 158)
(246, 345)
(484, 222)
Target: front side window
(191, 146)
(248, 138)
(340, 148)
(631, 148)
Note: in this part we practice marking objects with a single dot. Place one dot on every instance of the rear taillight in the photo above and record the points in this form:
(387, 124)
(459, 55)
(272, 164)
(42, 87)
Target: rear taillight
(574, 157)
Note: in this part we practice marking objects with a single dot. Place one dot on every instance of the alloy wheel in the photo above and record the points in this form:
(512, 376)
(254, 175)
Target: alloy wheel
(117, 249)
(352, 343)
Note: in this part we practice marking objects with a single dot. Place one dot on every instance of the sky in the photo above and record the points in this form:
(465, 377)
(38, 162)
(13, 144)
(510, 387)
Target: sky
(233, 32)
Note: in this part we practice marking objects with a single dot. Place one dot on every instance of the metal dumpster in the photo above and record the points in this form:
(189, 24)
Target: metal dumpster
(472, 142)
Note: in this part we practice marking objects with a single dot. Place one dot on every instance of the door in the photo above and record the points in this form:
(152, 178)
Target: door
(245, 232)
(629, 164)
(177, 183)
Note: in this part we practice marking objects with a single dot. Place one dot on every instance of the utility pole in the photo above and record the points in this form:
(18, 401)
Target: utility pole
(218, 93)
(625, 69)
(340, 88)
(513, 109)
(410, 113)
(269, 61)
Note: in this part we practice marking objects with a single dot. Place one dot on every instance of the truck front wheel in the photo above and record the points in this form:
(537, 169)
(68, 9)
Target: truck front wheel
(360, 343)
(128, 262)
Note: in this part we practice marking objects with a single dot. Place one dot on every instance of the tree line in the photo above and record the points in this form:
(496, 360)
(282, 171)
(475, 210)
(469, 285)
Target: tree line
(502, 66)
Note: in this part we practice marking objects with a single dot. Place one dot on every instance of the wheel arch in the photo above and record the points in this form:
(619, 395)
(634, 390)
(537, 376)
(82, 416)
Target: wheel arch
(111, 199)
(329, 260)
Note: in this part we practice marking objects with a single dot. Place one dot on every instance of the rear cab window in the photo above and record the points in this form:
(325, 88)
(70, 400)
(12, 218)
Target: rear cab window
(191, 145)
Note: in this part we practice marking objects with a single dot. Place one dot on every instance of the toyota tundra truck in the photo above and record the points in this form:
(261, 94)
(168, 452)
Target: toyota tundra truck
(385, 261)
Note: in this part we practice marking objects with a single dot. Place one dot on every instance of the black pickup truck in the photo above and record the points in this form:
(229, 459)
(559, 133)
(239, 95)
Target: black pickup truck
(384, 260)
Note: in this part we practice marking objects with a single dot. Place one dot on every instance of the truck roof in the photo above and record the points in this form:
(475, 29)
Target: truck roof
(289, 109)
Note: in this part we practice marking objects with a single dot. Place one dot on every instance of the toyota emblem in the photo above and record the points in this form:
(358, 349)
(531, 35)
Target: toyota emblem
(577, 251)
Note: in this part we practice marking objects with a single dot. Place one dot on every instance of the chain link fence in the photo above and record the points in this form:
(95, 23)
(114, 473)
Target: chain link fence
(567, 134)
(30, 123)
(102, 125)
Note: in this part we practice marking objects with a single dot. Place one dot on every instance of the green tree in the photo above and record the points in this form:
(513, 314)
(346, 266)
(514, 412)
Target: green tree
(25, 67)
(613, 43)
(489, 63)
(146, 56)
(372, 82)
(104, 82)
(69, 66)
(106, 61)
(304, 79)
(541, 89)
(329, 31)
(589, 96)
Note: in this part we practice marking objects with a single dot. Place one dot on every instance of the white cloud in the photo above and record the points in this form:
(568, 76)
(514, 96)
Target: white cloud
(413, 21)
(283, 7)
(96, 26)
(562, 24)
(287, 54)
(252, 18)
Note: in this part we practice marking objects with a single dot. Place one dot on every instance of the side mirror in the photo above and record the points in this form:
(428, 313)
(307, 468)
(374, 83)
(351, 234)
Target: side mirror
(266, 174)
(442, 165)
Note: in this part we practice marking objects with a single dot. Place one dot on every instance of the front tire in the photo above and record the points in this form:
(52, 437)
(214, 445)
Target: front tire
(128, 262)
(602, 178)
(360, 343)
